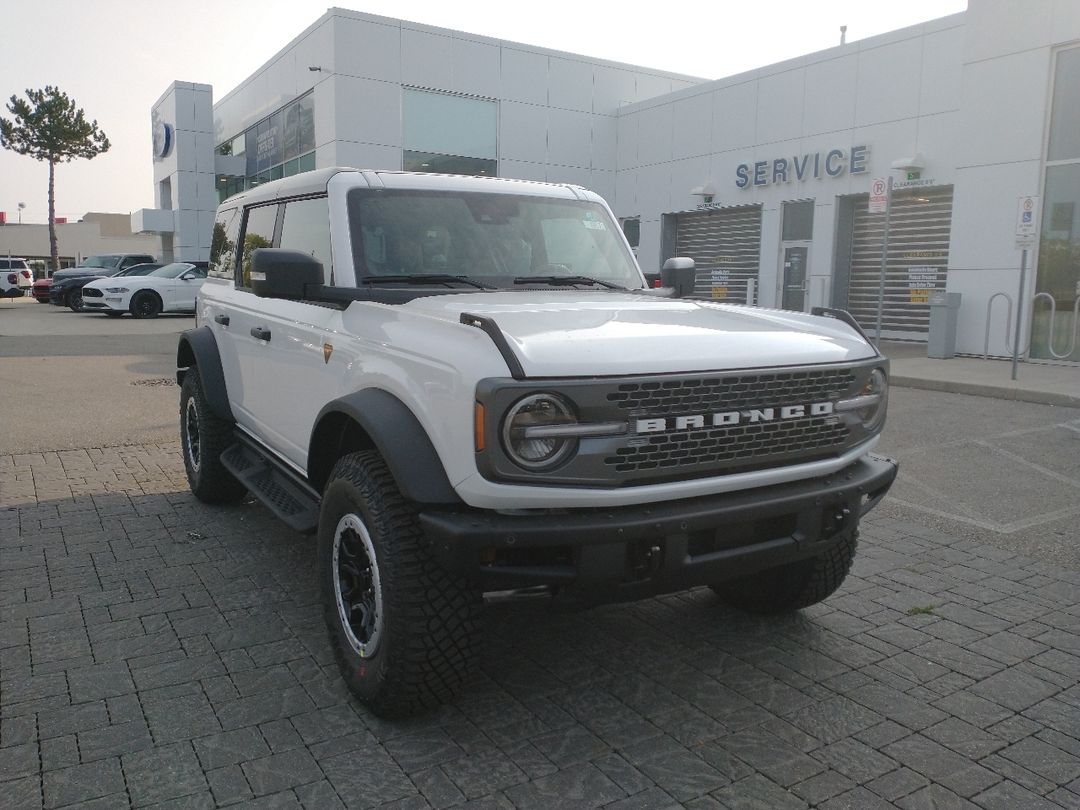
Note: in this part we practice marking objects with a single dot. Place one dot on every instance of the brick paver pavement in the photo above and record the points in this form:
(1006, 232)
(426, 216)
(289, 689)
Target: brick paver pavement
(156, 652)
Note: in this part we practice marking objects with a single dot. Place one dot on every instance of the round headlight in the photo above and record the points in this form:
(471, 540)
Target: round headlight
(877, 387)
(537, 452)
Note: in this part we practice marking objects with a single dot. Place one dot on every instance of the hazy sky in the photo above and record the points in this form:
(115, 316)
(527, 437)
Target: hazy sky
(116, 57)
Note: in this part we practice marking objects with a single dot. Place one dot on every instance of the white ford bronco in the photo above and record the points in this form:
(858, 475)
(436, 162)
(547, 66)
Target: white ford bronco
(464, 387)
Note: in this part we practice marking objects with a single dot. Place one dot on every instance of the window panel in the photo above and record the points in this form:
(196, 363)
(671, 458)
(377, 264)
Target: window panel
(1065, 112)
(798, 220)
(306, 227)
(306, 122)
(450, 125)
(292, 131)
(449, 164)
(258, 233)
(306, 163)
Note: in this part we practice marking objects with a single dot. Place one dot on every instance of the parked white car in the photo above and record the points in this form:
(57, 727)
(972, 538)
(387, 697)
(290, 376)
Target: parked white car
(171, 288)
(16, 277)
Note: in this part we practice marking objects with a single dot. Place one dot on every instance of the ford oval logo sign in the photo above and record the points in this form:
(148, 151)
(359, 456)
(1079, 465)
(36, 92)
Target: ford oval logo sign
(163, 140)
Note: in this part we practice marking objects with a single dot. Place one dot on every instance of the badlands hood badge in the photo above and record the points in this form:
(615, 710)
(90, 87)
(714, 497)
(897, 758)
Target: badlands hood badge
(327, 350)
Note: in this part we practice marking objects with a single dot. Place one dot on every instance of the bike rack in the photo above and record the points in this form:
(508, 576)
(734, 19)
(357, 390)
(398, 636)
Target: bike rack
(1008, 324)
(1050, 326)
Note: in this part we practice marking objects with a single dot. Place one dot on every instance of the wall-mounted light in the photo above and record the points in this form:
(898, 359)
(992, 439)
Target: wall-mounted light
(706, 191)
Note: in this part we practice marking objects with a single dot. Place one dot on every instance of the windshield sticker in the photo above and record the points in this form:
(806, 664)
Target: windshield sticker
(594, 225)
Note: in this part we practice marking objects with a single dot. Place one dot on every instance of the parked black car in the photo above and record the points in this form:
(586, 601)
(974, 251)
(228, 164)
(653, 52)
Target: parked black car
(68, 292)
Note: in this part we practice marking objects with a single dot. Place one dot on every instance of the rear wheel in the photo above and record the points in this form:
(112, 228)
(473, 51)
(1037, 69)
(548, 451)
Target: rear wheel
(74, 301)
(146, 305)
(204, 436)
(403, 630)
(796, 585)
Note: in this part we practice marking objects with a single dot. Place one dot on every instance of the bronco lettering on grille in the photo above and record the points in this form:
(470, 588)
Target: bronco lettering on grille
(731, 418)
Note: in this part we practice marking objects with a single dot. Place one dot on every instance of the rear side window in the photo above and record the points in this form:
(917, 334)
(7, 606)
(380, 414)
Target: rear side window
(223, 244)
(258, 233)
(306, 227)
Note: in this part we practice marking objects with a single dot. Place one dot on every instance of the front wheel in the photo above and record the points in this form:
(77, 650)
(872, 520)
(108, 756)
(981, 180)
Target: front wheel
(75, 301)
(146, 305)
(795, 585)
(403, 630)
(204, 436)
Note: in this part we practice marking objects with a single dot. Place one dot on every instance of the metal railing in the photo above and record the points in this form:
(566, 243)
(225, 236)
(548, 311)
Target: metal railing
(1008, 325)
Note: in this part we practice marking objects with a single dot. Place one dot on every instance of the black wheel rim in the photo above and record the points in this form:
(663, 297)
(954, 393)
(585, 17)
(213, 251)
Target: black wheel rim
(191, 429)
(76, 301)
(357, 586)
(145, 305)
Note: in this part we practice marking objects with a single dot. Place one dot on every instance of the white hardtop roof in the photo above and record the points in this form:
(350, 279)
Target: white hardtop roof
(315, 182)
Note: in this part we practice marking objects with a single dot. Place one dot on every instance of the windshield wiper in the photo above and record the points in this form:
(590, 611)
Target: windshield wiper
(567, 280)
(426, 278)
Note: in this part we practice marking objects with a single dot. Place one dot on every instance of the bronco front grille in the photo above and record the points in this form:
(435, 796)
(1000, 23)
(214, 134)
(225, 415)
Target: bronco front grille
(731, 392)
(734, 447)
(754, 445)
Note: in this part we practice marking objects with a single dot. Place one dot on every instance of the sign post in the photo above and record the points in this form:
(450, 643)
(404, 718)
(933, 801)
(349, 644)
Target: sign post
(888, 183)
(1027, 218)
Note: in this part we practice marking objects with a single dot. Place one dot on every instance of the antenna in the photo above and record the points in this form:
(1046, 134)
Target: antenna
(843, 34)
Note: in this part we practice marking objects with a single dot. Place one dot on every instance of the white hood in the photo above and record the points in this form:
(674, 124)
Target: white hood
(558, 334)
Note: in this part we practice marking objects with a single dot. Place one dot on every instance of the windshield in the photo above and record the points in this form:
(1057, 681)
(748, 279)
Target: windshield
(498, 239)
(174, 270)
(100, 261)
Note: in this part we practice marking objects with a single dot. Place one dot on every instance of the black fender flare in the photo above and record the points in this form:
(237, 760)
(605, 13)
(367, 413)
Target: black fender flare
(198, 347)
(399, 437)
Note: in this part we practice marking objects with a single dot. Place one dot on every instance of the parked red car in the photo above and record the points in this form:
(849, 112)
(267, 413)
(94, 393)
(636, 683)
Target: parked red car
(41, 290)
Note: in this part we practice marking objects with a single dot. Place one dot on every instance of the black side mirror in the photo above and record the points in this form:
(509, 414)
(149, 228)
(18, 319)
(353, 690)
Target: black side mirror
(680, 274)
(283, 273)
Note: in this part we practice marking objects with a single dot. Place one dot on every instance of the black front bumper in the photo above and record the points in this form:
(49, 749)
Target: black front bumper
(630, 552)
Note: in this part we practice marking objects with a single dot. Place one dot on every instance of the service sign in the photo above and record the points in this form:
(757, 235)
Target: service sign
(1027, 222)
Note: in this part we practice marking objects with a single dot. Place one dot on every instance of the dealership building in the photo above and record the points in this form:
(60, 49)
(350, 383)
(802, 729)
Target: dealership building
(767, 179)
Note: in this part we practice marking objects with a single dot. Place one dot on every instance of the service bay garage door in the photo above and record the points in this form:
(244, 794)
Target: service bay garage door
(725, 244)
(916, 263)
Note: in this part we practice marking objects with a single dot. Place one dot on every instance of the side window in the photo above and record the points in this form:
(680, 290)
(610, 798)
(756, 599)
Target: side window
(258, 233)
(223, 244)
(306, 227)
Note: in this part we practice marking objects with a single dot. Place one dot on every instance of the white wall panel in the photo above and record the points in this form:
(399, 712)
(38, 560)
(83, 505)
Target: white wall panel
(654, 135)
(365, 49)
(476, 68)
(570, 84)
(692, 126)
(780, 106)
(522, 132)
(367, 111)
(625, 202)
(523, 170)
(735, 116)
(889, 82)
(612, 88)
(426, 59)
(1004, 108)
(605, 142)
(524, 76)
(941, 71)
(366, 156)
(829, 95)
(628, 140)
(569, 138)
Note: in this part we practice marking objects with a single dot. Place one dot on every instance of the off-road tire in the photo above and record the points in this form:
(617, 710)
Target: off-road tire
(795, 585)
(209, 480)
(429, 629)
(146, 304)
(74, 301)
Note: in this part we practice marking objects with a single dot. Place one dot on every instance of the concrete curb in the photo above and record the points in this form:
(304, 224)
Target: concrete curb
(981, 390)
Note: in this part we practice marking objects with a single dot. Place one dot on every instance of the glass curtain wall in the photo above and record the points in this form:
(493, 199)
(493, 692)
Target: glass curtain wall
(281, 145)
(450, 134)
(1055, 332)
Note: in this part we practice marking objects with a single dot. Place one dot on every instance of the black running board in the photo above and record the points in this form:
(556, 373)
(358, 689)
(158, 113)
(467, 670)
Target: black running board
(279, 489)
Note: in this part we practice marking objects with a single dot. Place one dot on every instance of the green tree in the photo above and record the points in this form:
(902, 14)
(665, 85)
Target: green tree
(48, 126)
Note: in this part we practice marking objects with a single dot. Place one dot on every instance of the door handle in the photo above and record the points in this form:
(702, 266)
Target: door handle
(260, 332)
(222, 319)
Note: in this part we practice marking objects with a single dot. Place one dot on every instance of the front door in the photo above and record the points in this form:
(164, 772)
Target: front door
(795, 275)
